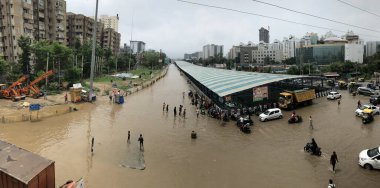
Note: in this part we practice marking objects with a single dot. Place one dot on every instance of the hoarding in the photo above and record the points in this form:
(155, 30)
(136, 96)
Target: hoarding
(259, 93)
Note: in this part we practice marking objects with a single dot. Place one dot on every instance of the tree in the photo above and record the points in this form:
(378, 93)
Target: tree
(294, 70)
(289, 61)
(25, 44)
(4, 70)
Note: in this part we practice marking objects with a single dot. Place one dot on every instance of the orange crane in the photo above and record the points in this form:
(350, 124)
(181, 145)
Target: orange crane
(32, 87)
(11, 92)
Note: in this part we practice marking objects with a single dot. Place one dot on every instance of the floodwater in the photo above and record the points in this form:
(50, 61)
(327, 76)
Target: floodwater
(222, 156)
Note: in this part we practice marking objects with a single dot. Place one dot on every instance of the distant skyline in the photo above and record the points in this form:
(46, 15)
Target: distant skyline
(179, 28)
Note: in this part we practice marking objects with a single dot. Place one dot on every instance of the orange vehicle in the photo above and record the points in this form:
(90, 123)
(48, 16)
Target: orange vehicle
(32, 90)
(11, 92)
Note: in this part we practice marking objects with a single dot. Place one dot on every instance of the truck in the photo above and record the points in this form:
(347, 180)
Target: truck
(291, 99)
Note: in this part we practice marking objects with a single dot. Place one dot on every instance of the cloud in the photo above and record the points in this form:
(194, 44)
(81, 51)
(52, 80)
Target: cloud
(180, 28)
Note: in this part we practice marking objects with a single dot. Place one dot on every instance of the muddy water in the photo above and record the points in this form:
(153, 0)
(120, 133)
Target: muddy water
(272, 156)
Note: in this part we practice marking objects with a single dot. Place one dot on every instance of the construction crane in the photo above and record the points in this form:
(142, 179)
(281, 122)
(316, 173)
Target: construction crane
(11, 92)
(32, 86)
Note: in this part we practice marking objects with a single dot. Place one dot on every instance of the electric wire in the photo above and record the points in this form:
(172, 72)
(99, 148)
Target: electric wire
(351, 5)
(270, 17)
(315, 16)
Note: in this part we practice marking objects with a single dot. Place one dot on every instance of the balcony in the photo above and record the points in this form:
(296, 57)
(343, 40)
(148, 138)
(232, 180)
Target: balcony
(41, 15)
(60, 17)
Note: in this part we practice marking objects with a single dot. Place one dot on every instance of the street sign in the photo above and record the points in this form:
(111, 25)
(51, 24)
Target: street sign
(34, 107)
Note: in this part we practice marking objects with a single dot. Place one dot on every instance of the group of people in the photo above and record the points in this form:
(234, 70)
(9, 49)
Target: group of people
(140, 140)
(181, 109)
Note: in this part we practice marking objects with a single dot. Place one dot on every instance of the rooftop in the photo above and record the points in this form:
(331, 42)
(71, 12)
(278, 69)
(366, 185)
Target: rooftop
(19, 163)
(225, 82)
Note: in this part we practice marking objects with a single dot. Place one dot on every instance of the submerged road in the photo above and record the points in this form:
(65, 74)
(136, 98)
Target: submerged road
(222, 156)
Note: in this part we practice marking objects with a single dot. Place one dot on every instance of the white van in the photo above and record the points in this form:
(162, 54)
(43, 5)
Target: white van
(273, 113)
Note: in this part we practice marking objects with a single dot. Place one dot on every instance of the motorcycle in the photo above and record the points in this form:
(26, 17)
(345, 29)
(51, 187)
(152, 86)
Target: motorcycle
(309, 148)
(245, 128)
(244, 121)
(296, 119)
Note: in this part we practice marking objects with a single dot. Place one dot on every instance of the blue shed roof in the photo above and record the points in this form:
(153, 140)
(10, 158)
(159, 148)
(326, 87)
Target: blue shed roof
(225, 82)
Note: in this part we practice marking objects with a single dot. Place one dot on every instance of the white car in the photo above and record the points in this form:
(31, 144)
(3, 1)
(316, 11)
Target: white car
(370, 158)
(334, 95)
(273, 113)
(359, 111)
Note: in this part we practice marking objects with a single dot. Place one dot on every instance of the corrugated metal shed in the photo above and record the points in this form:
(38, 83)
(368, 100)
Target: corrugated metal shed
(21, 164)
(225, 82)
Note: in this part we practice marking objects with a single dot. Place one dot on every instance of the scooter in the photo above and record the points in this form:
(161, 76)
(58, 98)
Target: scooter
(309, 148)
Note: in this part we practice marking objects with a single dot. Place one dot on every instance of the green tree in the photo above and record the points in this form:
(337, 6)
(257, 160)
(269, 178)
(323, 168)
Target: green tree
(24, 42)
(294, 70)
(4, 70)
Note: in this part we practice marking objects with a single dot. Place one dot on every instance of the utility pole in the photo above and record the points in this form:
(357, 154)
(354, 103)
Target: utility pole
(93, 53)
(47, 69)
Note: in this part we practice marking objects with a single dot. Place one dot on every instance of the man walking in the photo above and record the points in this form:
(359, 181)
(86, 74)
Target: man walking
(333, 160)
(163, 107)
(66, 98)
(311, 122)
(197, 111)
(175, 111)
(338, 102)
(331, 184)
(141, 140)
(167, 108)
(129, 137)
(184, 112)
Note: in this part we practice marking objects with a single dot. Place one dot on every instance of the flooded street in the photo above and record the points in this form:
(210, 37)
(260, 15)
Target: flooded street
(222, 156)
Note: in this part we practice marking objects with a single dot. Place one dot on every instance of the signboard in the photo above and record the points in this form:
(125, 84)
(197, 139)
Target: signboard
(34, 107)
(259, 93)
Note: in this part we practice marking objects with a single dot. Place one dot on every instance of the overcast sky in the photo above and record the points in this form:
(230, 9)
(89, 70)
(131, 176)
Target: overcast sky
(179, 28)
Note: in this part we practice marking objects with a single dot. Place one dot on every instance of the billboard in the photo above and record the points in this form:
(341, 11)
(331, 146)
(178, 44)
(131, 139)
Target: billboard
(259, 93)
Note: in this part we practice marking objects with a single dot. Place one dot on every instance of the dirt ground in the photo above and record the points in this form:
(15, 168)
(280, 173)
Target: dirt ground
(53, 104)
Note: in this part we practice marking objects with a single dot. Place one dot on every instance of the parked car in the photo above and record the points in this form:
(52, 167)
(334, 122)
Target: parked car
(334, 95)
(359, 111)
(365, 91)
(273, 113)
(370, 158)
(375, 99)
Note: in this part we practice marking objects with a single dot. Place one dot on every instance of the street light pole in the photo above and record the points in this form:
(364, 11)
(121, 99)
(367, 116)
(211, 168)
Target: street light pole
(93, 52)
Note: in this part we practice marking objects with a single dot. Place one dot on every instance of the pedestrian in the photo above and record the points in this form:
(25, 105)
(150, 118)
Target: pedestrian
(197, 111)
(129, 137)
(338, 102)
(359, 104)
(331, 184)
(333, 160)
(311, 122)
(66, 98)
(141, 140)
(184, 112)
(45, 96)
(175, 111)
(163, 107)
(180, 109)
(92, 144)
(167, 108)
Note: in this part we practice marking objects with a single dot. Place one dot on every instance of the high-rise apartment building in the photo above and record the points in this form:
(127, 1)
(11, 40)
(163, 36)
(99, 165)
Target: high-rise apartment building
(38, 19)
(110, 22)
(111, 40)
(16, 20)
(137, 47)
(264, 35)
(212, 50)
(80, 27)
(372, 47)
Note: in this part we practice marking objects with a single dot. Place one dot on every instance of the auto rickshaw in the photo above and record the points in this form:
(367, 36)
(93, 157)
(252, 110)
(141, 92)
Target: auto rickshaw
(342, 84)
(367, 116)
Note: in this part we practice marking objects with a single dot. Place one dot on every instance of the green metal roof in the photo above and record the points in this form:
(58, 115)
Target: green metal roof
(225, 82)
